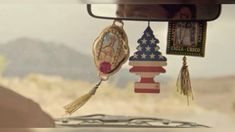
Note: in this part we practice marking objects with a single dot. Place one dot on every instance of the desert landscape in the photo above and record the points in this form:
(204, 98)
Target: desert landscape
(213, 104)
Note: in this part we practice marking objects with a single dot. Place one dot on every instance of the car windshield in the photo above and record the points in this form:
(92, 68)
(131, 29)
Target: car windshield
(46, 55)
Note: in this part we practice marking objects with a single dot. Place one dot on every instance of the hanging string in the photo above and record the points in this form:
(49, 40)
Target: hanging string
(148, 23)
(78, 103)
(183, 82)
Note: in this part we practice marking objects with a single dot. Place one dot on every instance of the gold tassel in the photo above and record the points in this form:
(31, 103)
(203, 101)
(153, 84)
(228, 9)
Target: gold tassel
(183, 82)
(78, 103)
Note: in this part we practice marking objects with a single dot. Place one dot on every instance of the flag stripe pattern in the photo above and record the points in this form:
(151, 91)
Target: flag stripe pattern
(137, 90)
(147, 84)
(147, 63)
(148, 69)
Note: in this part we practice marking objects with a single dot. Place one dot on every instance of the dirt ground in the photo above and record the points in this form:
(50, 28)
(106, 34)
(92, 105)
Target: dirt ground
(213, 104)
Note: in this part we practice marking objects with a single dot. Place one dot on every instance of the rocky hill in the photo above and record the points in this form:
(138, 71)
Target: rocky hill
(26, 55)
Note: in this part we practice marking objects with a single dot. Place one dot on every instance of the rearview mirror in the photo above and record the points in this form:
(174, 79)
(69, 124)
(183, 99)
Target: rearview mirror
(155, 12)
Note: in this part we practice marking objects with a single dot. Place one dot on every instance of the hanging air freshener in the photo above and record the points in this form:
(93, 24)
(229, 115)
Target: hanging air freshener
(188, 39)
(147, 62)
(110, 52)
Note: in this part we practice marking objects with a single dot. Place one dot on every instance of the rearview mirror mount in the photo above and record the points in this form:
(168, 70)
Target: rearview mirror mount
(155, 12)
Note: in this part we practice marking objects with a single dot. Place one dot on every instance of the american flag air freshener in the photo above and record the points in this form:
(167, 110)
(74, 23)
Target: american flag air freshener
(147, 62)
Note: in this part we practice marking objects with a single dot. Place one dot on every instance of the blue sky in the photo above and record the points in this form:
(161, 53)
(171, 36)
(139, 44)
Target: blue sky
(70, 24)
